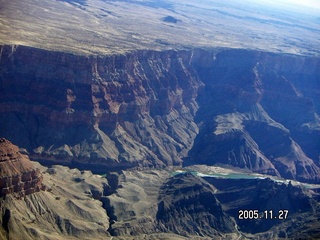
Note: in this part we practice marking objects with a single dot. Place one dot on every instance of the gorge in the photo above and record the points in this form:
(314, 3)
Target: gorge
(164, 108)
(159, 119)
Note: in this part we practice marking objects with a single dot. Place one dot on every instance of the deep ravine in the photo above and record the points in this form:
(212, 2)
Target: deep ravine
(243, 108)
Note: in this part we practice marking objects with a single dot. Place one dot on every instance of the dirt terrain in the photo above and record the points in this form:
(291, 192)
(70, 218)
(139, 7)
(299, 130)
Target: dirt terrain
(107, 26)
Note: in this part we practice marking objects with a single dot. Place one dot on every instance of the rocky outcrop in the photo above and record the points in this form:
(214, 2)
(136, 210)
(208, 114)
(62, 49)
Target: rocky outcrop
(187, 205)
(152, 201)
(132, 206)
(154, 204)
(262, 195)
(156, 201)
(68, 209)
(17, 174)
(248, 109)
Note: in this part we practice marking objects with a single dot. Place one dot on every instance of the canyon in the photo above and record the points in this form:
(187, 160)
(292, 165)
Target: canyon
(154, 204)
(54, 203)
(164, 109)
(159, 119)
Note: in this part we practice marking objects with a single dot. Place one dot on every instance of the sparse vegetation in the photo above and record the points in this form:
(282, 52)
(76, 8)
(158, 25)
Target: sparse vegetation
(84, 27)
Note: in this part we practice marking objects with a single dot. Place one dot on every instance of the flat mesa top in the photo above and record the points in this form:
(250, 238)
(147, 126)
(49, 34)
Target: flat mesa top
(117, 26)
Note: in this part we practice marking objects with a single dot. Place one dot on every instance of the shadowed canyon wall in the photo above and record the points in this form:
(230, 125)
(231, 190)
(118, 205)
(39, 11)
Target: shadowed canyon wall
(247, 109)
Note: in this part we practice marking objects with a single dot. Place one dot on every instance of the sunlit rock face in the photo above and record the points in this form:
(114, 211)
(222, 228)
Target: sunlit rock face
(17, 174)
(68, 208)
(247, 109)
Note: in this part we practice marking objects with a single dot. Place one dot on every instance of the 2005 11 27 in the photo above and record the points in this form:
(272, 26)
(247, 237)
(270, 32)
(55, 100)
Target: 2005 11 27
(266, 214)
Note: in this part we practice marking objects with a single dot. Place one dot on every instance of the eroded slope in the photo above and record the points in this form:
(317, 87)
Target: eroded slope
(149, 202)
(248, 109)
(255, 113)
(68, 209)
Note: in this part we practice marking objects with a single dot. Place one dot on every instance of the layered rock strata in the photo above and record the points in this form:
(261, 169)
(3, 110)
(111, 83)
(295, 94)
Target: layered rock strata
(17, 174)
(152, 201)
(258, 111)
(248, 109)
(119, 111)
(68, 209)
(156, 201)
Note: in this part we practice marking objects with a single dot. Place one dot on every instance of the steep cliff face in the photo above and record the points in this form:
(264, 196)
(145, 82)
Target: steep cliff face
(260, 111)
(17, 175)
(186, 197)
(262, 194)
(248, 109)
(121, 111)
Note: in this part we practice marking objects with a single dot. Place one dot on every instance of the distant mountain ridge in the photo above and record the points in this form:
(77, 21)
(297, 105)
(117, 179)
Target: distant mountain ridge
(243, 108)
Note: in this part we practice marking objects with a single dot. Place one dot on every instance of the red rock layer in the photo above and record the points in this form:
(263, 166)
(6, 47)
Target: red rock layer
(17, 175)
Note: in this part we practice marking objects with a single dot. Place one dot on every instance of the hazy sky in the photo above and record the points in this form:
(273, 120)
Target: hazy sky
(308, 3)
